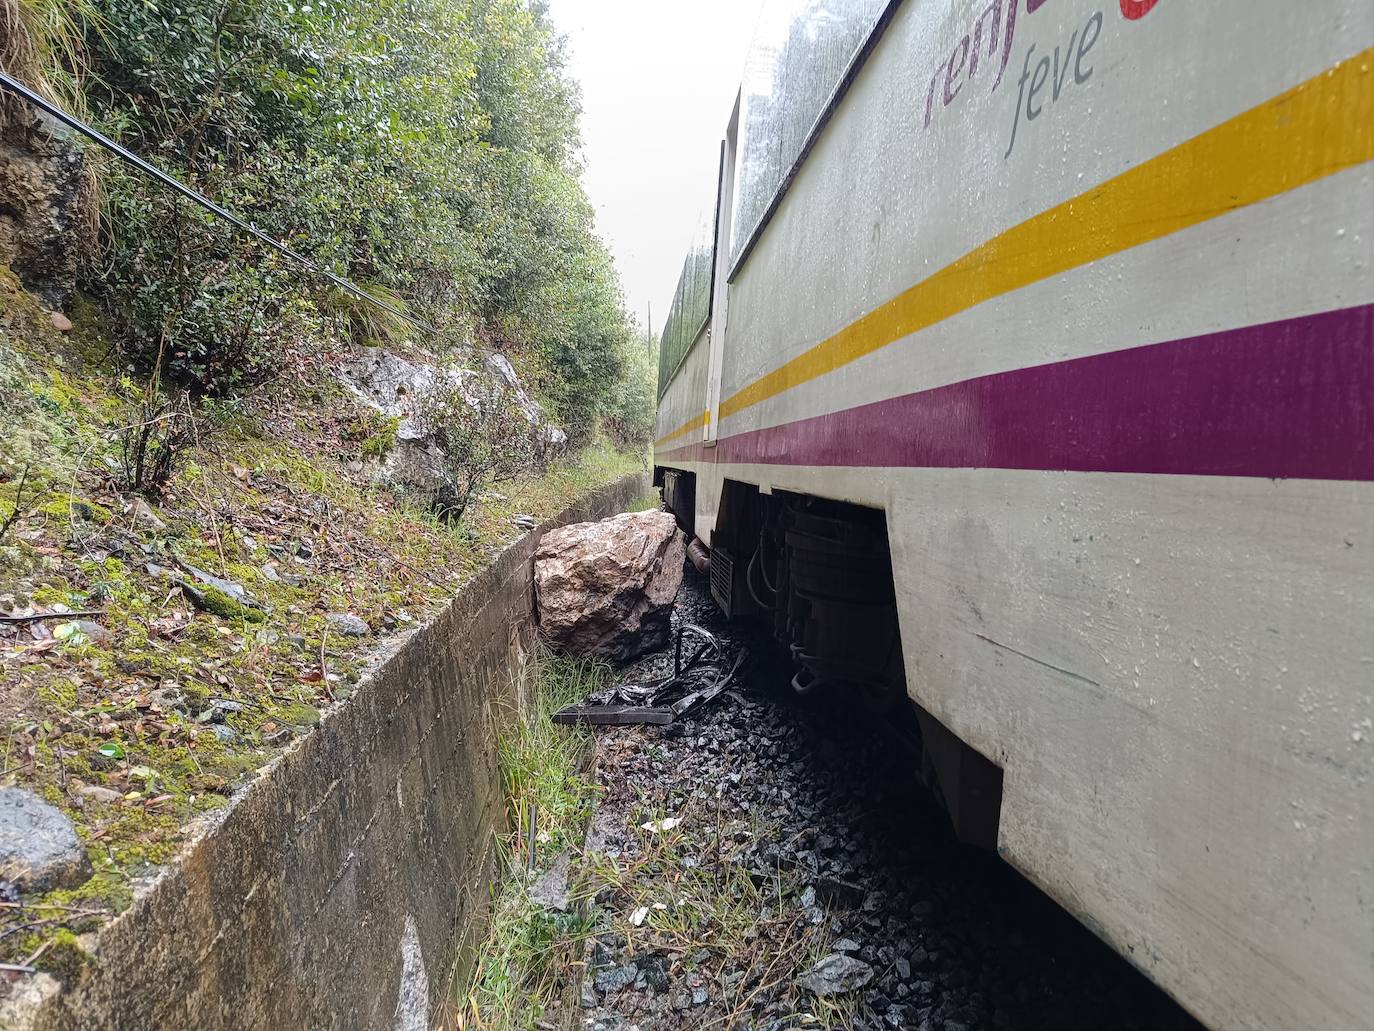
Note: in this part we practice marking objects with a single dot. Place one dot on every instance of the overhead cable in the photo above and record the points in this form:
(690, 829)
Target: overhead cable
(158, 175)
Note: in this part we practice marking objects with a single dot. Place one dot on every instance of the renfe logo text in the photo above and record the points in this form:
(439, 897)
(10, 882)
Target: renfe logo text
(991, 38)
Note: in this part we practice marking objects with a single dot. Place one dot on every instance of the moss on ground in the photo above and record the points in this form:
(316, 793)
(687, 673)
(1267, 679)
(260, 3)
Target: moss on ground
(148, 713)
(63, 957)
(69, 507)
(374, 433)
(220, 603)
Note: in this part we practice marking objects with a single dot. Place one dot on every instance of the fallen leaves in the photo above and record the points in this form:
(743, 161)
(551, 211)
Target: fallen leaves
(109, 673)
(171, 626)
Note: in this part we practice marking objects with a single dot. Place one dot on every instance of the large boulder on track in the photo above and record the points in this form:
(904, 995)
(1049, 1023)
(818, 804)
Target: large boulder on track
(606, 590)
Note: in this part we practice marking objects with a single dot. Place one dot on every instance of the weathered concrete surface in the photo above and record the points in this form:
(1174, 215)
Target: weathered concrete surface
(346, 886)
(606, 589)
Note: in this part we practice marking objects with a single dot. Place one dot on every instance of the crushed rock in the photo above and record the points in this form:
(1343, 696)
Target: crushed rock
(815, 799)
(837, 974)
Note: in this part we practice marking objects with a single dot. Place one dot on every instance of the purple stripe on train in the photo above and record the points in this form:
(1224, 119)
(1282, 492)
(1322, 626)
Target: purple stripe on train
(1290, 399)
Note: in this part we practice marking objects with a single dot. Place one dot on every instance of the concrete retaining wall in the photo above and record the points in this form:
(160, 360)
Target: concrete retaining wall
(347, 886)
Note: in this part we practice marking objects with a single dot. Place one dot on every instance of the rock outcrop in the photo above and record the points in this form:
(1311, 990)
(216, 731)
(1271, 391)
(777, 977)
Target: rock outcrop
(606, 589)
(401, 388)
(42, 186)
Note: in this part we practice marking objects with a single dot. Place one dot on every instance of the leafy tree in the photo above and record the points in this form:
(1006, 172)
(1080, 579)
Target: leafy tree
(425, 148)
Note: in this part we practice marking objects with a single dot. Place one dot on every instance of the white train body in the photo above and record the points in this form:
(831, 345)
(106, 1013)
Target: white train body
(1083, 300)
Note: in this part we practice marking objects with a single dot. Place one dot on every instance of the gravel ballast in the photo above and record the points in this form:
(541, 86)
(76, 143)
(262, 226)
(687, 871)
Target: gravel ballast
(811, 882)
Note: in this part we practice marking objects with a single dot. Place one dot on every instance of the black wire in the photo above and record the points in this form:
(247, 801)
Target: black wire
(152, 171)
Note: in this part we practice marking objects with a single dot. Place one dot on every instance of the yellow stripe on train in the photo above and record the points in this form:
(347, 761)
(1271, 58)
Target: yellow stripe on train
(696, 422)
(1316, 129)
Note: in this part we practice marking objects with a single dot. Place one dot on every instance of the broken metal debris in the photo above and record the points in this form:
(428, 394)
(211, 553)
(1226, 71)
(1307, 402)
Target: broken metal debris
(693, 683)
(613, 715)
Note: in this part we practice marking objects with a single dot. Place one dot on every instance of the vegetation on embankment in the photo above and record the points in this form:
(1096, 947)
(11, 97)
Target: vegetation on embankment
(152, 708)
(525, 964)
(427, 149)
(189, 499)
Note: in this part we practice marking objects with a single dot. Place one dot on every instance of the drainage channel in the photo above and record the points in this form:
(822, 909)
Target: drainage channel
(771, 862)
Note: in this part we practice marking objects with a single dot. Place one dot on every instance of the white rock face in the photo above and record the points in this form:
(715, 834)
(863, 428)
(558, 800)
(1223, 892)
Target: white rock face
(606, 589)
(500, 365)
(400, 387)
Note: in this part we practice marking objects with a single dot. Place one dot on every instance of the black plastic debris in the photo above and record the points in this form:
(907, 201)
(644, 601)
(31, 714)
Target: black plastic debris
(699, 679)
(613, 715)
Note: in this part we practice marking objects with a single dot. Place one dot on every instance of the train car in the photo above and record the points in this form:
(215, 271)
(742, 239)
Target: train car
(1025, 374)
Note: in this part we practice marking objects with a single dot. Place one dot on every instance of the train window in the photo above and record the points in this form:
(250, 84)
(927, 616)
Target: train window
(800, 53)
(692, 303)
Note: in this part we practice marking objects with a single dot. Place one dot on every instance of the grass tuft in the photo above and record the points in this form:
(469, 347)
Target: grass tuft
(529, 951)
(41, 45)
(541, 762)
(649, 502)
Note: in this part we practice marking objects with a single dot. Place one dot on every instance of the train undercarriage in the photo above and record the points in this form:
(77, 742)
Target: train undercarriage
(818, 574)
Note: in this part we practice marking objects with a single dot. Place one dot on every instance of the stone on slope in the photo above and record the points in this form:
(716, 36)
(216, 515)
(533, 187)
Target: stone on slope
(550, 891)
(348, 624)
(606, 589)
(837, 974)
(39, 849)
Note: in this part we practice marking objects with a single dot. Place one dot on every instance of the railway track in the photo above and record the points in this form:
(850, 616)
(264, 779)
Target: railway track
(813, 802)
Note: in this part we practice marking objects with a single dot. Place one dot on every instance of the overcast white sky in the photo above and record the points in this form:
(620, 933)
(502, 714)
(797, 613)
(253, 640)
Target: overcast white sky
(658, 81)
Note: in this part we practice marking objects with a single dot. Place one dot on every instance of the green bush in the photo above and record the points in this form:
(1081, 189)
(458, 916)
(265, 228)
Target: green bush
(427, 148)
(190, 297)
(484, 436)
(630, 419)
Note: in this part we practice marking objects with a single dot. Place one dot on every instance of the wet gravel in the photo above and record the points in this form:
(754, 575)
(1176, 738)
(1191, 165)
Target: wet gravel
(817, 801)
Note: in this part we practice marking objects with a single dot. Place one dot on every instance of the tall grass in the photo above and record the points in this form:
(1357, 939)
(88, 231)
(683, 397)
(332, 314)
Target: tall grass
(41, 45)
(529, 951)
(367, 323)
(541, 762)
